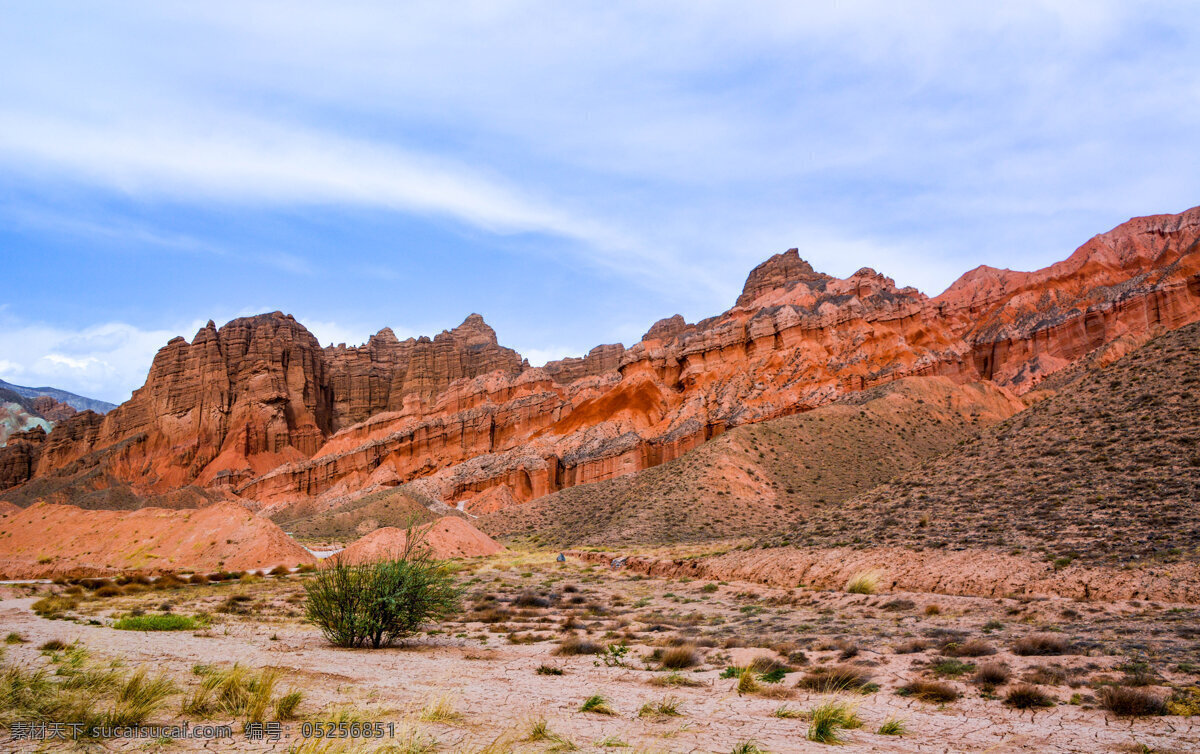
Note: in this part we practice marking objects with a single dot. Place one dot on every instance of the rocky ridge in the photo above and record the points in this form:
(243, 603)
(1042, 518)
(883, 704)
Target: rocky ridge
(258, 409)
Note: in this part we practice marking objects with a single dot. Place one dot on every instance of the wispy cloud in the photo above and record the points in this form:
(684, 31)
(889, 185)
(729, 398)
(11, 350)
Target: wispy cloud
(667, 146)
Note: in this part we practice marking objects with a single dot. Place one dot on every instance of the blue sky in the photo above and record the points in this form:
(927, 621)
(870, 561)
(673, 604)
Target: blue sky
(572, 171)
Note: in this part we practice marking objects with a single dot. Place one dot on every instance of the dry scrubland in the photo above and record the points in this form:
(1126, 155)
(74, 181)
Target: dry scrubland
(549, 657)
(768, 476)
(1106, 472)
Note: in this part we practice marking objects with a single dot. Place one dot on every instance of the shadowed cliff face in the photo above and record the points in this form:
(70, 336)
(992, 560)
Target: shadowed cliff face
(259, 409)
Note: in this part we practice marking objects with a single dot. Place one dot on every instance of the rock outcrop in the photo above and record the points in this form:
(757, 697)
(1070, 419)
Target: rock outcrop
(448, 537)
(19, 457)
(257, 408)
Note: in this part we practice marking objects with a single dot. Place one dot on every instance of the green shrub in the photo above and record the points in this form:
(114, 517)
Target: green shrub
(374, 604)
(156, 623)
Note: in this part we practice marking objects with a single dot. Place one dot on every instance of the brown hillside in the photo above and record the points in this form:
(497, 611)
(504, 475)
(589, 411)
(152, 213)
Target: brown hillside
(766, 477)
(1106, 471)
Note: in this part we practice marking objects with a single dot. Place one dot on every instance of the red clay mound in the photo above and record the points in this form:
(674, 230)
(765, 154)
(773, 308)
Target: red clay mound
(47, 540)
(449, 537)
(7, 508)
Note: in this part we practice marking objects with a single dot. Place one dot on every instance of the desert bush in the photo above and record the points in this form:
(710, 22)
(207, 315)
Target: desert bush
(747, 684)
(548, 670)
(992, 673)
(1132, 702)
(673, 680)
(575, 645)
(374, 604)
(930, 691)
(531, 599)
(910, 646)
(970, 648)
(1027, 696)
(156, 623)
(440, 709)
(279, 570)
(826, 721)
(241, 693)
(1041, 644)
(138, 698)
(14, 638)
(679, 658)
(836, 678)
(54, 607)
(598, 705)
(53, 645)
(865, 582)
(668, 706)
(949, 667)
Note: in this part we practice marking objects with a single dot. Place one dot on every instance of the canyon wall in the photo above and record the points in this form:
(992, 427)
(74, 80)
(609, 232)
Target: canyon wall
(259, 409)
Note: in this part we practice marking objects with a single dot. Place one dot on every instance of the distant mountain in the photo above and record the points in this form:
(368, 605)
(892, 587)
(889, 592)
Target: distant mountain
(77, 402)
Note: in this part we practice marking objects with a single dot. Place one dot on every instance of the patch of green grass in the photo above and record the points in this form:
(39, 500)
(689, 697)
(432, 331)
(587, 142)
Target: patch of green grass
(892, 727)
(597, 704)
(166, 622)
(788, 713)
(747, 747)
(829, 719)
(668, 706)
(949, 667)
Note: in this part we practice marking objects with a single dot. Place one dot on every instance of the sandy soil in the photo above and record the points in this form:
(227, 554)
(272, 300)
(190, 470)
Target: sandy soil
(493, 685)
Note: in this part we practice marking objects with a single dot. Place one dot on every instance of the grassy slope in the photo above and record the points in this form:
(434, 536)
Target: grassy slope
(764, 477)
(1107, 470)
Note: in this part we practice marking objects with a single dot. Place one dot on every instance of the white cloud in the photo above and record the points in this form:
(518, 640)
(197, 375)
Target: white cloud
(675, 143)
(103, 361)
(539, 356)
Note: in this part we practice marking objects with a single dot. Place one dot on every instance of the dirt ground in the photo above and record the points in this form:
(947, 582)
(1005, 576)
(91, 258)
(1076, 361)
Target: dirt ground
(482, 669)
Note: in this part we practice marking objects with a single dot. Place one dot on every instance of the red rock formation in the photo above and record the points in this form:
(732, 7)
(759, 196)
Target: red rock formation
(258, 409)
(19, 457)
(52, 410)
(384, 373)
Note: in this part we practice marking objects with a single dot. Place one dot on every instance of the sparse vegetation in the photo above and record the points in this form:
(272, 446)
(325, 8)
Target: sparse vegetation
(828, 720)
(1131, 702)
(1041, 644)
(375, 604)
(938, 692)
(1027, 696)
(598, 705)
(836, 678)
(169, 622)
(865, 582)
(892, 727)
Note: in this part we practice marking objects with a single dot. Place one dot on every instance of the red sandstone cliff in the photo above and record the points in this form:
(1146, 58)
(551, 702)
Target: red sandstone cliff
(258, 408)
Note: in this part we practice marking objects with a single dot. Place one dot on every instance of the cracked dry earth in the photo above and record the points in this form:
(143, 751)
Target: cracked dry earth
(518, 608)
